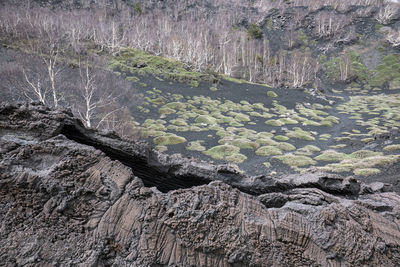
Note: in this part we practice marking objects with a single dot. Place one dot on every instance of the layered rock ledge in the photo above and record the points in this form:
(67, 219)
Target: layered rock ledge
(75, 196)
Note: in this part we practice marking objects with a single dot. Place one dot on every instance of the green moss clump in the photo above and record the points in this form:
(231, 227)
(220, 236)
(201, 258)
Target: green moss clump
(244, 143)
(272, 94)
(268, 151)
(264, 135)
(195, 146)
(276, 123)
(286, 146)
(213, 88)
(337, 167)
(166, 111)
(179, 122)
(367, 140)
(296, 160)
(128, 61)
(281, 137)
(288, 121)
(374, 161)
(300, 134)
(331, 156)
(242, 117)
(236, 158)
(310, 123)
(168, 139)
(266, 141)
(205, 119)
(175, 105)
(222, 151)
(325, 137)
(392, 147)
(308, 150)
(366, 171)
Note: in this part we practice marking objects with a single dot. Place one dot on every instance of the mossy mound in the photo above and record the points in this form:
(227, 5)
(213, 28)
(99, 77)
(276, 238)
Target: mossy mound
(281, 138)
(222, 151)
(300, 134)
(195, 146)
(276, 123)
(266, 141)
(168, 139)
(166, 111)
(307, 150)
(288, 121)
(128, 61)
(331, 156)
(285, 146)
(244, 143)
(205, 119)
(268, 151)
(179, 122)
(392, 147)
(366, 171)
(236, 158)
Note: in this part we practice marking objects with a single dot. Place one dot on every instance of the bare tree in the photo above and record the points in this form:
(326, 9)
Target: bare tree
(387, 13)
(93, 98)
(393, 37)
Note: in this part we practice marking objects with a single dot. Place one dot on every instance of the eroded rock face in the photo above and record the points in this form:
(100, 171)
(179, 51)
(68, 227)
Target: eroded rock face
(63, 202)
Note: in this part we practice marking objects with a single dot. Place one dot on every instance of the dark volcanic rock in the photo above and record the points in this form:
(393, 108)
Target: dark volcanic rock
(73, 196)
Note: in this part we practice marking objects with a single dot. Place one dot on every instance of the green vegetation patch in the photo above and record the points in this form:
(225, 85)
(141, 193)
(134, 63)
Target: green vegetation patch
(254, 31)
(205, 119)
(244, 143)
(286, 146)
(195, 146)
(288, 121)
(307, 150)
(300, 134)
(331, 156)
(388, 70)
(272, 94)
(222, 151)
(276, 123)
(266, 141)
(236, 158)
(281, 138)
(325, 137)
(132, 62)
(268, 151)
(179, 122)
(392, 147)
(168, 139)
(366, 171)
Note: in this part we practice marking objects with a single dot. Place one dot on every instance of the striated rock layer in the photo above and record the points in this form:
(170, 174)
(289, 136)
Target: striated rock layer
(72, 196)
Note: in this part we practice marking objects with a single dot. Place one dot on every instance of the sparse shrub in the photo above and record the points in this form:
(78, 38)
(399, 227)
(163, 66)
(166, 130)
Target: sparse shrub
(254, 32)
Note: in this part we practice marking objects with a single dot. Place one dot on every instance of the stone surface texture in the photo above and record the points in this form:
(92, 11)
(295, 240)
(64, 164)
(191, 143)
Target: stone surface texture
(70, 196)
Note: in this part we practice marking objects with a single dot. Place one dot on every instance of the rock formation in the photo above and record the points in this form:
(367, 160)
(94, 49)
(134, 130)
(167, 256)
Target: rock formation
(73, 196)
